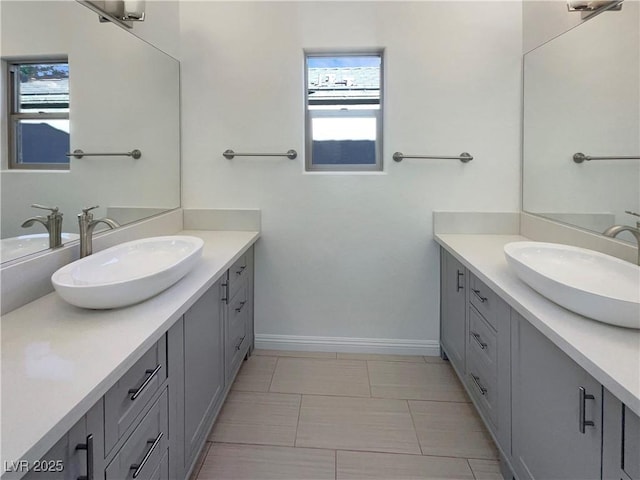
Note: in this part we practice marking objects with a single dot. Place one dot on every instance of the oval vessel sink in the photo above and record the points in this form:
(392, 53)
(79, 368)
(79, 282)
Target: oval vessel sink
(127, 273)
(590, 283)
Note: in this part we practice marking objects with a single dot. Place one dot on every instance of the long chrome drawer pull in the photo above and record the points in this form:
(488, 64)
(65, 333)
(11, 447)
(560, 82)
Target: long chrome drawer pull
(458, 286)
(225, 295)
(583, 422)
(138, 467)
(478, 340)
(89, 449)
(135, 392)
(477, 294)
(476, 380)
(239, 309)
(240, 343)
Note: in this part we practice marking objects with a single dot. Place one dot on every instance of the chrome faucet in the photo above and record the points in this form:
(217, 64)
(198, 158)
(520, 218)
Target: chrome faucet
(52, 222)
(616, 229)
(86, 225)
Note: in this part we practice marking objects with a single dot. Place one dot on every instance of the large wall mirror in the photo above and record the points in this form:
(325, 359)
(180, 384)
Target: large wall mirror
(123, 94)
(582, 95)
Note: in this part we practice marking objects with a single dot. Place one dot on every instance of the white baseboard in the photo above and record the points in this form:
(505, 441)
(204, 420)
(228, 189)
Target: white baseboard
(348, 345)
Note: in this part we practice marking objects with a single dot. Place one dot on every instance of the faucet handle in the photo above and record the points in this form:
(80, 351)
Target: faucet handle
(88, 209)
(632, 213)
(53, 210)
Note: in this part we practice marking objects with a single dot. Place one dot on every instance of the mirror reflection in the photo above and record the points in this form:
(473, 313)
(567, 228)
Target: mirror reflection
(67, 86)
(581, 95)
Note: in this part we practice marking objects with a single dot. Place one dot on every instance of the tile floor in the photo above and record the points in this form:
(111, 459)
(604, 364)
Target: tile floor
(301, 415)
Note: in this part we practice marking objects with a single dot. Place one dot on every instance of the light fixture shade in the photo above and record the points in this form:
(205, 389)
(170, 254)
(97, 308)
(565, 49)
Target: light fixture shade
(134, 9)
(592, 5)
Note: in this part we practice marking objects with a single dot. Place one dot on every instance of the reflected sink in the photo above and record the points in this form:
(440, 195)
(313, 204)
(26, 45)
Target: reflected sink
(15, 247)
(590, 283)
(127, 273)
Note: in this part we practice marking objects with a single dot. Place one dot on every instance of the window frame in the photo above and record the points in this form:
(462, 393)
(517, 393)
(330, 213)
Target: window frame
(309, 114)
(14, 116)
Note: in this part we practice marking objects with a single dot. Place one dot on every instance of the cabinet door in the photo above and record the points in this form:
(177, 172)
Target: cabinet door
(452, 309)
(77, 454)
(203, 366)
(556, 410)
(620, 441)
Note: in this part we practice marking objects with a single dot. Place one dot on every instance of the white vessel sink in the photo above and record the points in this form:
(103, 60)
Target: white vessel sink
(127, 273)
(590, 283)
(15, 247)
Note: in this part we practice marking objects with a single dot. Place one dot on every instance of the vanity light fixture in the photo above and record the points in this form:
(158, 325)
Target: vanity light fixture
(121, 12)
(589, 8)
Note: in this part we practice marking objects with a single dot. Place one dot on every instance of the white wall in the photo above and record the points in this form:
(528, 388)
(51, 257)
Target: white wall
(351, 255)
(124, 94)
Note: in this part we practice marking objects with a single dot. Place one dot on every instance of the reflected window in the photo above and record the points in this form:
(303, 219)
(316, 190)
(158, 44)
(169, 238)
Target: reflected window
(39, 114)
(343, 112)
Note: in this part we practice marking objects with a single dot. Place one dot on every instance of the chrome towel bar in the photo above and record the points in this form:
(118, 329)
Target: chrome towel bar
(79, 154)
(581, 157)
(464, 157)
(229, 154)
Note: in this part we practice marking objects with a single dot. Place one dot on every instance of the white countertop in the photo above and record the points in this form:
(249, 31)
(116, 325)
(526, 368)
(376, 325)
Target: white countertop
(59, 360)
(610, 354)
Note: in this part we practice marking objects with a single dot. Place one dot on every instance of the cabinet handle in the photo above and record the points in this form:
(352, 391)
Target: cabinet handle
(225, 295)
(476, 380)
(239, 309)
(240, 343)
(583, 422)
(239, 272)
(478, 340)
(477, 294)
(135, 392)
(138, 467)
(88, 446)
(458, 286)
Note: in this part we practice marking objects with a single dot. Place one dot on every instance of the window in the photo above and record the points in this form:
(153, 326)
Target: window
(38, 114)
(343, 112)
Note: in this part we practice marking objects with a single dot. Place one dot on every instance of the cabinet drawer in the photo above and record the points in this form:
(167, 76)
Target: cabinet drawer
(146, 448)
(236, 332)
(482, 339)
(483, 386)
(127, 398)
(239, 273)
(486, 301)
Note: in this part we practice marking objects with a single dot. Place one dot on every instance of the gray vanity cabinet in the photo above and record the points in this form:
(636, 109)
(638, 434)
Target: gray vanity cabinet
(77, 454)
(488, 359)
(239, 314)
(621, 440)
(556, 410)
(203, 366)
(453, 281)
(205, 351)
(145, 455)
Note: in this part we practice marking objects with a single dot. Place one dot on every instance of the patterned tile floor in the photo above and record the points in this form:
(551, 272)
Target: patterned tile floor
(307, 415)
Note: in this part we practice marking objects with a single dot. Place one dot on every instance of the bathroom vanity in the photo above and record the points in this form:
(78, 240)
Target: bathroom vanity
(559, 393)
(130, 392)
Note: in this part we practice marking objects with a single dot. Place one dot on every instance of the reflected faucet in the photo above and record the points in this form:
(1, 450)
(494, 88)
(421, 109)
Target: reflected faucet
(52, 222)
(616, 229)
(87, 225)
